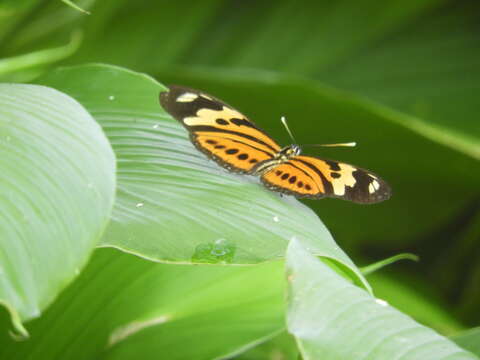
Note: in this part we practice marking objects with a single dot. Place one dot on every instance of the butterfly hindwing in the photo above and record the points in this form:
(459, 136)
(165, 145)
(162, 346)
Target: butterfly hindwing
(218, 130)
(306, 176)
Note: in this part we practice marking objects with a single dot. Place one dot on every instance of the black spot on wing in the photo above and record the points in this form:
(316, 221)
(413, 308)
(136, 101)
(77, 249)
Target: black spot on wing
(333, 165)
(221, 122)
(243, 122)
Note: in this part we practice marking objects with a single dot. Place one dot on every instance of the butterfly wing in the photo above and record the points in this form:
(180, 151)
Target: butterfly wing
(306, 176)
(218, 130)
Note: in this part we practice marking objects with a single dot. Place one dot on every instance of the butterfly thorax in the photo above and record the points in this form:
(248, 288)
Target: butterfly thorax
(280, 157)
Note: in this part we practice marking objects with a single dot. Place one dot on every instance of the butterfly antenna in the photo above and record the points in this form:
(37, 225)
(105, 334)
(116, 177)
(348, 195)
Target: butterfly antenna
(349, 144)
(284, 122)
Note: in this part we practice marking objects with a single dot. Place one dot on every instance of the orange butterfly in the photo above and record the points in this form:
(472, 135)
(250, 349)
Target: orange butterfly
(236, 143)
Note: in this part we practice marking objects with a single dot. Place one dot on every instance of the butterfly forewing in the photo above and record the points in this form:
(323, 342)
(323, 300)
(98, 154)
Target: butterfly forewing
(331, 178)
(218, 130)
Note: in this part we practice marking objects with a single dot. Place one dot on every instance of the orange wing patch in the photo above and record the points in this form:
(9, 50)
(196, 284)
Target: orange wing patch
(292, 178)
(233, 155)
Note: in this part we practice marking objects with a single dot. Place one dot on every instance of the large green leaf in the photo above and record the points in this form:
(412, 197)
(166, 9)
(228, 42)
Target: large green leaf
(124, 307)
(333, 319)
(416, 297)
(280, 347)
(57, 184)
(469, 340)
(167, 190)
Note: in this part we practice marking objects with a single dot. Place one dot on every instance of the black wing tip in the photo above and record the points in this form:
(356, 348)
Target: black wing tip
(383, 193)
(172, 91)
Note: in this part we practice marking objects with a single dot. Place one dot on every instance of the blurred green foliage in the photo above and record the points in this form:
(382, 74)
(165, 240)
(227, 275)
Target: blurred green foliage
(399, 77)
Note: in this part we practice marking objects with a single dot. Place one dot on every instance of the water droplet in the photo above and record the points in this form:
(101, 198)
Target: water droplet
(156, 126)
(276, 219)
(381, 302)
(219, 251)
(140, 204)
(111, 97)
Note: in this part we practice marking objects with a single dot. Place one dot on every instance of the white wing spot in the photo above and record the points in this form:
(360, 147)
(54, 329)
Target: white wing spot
(371, 189)
(187, 97)
(347, 179)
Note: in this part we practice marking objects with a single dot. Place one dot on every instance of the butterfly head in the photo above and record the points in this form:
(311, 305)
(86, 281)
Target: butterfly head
(289, 151)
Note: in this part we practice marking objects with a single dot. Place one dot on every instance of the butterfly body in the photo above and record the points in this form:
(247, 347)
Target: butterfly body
(236, 143)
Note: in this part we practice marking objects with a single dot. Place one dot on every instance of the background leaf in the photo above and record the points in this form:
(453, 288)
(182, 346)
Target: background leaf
(332, 319)
(469, 340)
(122, 306)
(56, 162)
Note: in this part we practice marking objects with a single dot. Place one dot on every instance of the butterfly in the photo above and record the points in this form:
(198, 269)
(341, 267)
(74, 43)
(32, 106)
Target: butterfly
(236, 143)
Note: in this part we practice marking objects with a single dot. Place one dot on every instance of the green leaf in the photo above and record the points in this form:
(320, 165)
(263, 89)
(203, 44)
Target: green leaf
(416, 297)
(369, 269)
(469, 340)
(39, 58)
(280, 347)
(124, 307)
(333, 319)
(57, 184)
(167, 190)
(76, 7)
